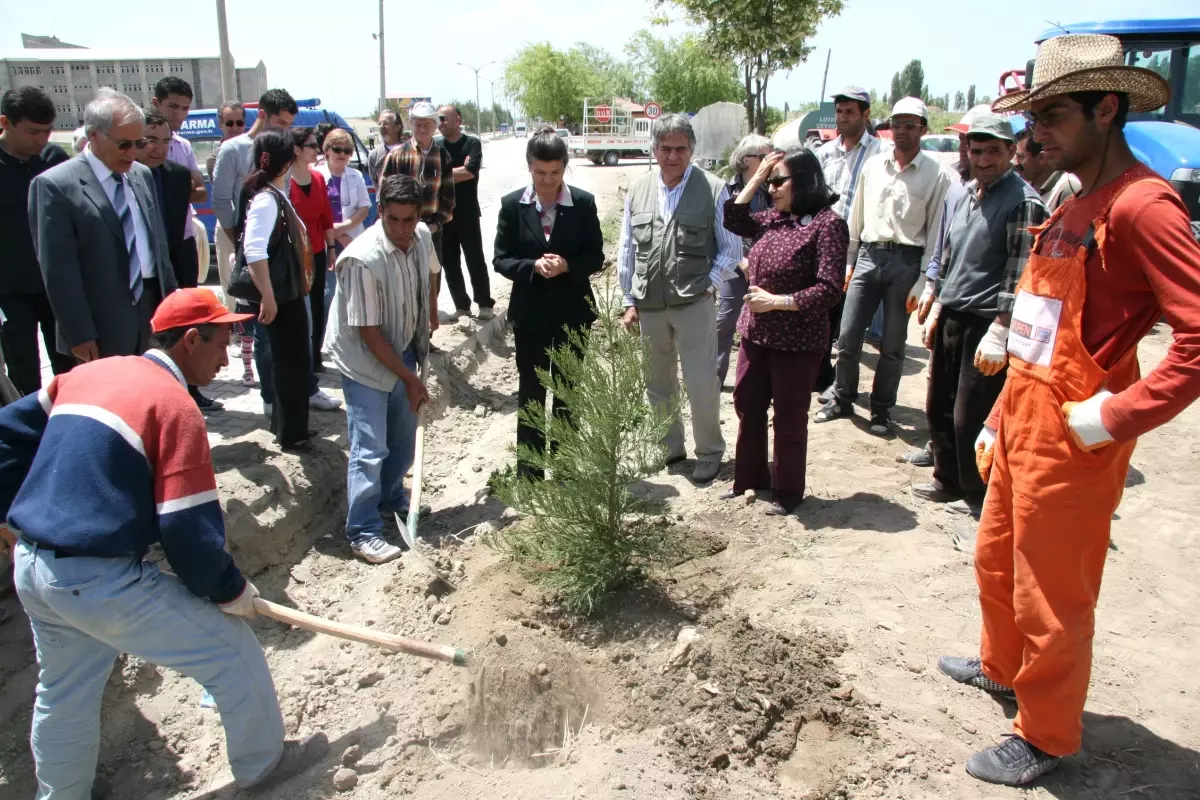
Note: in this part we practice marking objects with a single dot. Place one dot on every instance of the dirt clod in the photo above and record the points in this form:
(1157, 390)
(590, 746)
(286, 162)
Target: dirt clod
(352, 755)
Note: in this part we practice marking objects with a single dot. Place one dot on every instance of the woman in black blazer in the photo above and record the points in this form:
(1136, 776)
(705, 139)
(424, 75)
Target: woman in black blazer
(548, 243)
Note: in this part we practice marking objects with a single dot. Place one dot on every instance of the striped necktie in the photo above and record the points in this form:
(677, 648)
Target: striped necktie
(121, 206)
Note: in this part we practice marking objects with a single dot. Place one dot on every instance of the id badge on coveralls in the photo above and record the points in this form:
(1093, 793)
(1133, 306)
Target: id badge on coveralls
(1034, 328)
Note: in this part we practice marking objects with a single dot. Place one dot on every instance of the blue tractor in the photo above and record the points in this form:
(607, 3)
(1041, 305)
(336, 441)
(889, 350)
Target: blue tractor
(1167, 140)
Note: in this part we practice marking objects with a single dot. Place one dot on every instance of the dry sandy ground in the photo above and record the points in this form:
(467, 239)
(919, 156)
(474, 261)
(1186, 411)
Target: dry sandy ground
(813, 675)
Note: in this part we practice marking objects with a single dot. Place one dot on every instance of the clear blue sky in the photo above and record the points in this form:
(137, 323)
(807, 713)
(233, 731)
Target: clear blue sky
(324, 48)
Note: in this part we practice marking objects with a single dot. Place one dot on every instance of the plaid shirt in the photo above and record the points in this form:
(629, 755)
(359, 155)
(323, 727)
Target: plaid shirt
(433, 170)
(1027, 214)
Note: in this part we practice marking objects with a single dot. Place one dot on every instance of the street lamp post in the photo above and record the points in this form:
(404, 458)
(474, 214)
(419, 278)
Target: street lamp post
(382, 74)
(493, 83)
(478, 124)
(228, 82)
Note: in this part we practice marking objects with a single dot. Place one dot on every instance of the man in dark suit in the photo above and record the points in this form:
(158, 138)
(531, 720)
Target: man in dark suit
(100, 238)
(26, 119)
(173, 184)
(548, 243)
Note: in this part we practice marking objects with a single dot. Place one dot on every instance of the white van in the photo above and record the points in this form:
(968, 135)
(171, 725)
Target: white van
(521, 130)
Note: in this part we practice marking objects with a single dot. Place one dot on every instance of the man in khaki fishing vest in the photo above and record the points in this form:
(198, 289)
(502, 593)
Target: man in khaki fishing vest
(674, 252)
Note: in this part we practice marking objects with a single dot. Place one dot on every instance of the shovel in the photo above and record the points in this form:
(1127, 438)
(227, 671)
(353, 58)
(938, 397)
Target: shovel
(388, 641)
(408, 530)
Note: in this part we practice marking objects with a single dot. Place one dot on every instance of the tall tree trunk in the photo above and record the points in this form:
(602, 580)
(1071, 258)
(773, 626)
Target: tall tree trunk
(762, 101)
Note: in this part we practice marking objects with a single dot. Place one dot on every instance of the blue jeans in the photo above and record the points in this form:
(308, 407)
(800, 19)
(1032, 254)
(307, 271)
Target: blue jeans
(383, 436)
(84, 611)
(881, 277)
(263, 360)
(732, 297)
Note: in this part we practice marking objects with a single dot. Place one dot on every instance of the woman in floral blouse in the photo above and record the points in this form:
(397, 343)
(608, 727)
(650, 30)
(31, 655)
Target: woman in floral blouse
(796, 271)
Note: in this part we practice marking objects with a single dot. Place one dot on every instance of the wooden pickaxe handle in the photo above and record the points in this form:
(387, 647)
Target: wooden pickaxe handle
(388, 641)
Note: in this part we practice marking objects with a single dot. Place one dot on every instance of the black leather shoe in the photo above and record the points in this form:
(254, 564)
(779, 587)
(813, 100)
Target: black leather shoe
(934, 494)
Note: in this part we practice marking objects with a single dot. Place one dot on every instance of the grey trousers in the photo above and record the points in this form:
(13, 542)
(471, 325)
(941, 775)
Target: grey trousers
(686, 336)
(879, 276)
(729, 308)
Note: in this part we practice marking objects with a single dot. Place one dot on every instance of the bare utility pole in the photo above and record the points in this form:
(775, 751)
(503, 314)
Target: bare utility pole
(228, 83)
(382, 73)
(828, 56)
(478, 124)
(492, 83)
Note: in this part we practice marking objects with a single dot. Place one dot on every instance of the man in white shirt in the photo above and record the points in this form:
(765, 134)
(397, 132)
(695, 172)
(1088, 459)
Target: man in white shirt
(378, 334)
(842, 160)
(673, 255)
(893, 223)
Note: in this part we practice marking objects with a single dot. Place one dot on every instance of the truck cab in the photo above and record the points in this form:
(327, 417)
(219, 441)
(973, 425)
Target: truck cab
(1166, 140)
(202, 130)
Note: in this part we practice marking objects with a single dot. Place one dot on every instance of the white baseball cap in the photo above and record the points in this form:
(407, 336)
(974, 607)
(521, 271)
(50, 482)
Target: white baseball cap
(910, 105)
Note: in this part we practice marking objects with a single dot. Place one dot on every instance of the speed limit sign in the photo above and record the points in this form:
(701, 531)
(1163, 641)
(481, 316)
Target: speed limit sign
(653, 110)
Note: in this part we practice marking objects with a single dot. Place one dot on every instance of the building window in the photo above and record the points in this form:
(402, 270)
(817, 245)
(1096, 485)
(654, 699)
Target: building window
(80, 68)
(60, 90)
(176, 67)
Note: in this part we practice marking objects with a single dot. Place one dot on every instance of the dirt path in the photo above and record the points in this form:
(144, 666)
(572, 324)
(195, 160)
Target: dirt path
(811, 675)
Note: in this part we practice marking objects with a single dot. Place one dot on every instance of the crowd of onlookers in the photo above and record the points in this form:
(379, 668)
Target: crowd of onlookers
(796, 254)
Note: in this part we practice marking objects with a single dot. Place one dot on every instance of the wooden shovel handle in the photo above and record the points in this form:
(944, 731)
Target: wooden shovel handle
(388, 641)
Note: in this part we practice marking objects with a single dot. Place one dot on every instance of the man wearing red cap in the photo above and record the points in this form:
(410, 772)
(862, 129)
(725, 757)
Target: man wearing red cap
(91, 475)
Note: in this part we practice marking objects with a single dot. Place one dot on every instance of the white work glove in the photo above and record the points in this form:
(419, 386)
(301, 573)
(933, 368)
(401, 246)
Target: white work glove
(992, 353)
(931, 323)
(1085, 423)
(243, 604)
(985, 446)
(914, 294)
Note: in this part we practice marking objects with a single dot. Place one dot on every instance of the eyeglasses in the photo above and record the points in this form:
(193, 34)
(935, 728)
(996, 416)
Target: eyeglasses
(778, 180)
(235, 123)
(309, 146)
(1048, 118)
(152, 142)
(341, 151)
(125, 145)
(441, 119)
(757, 155)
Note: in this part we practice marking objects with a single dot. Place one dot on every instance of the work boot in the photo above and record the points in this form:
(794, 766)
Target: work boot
(298, 756)
(965, 506)
(969, 671)
(881, 423)
(1013, 762)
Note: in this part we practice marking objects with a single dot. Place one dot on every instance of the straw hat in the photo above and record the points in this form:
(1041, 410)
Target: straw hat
(1087, 63)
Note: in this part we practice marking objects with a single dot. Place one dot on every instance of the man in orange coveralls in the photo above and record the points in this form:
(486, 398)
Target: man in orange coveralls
(1105, 267)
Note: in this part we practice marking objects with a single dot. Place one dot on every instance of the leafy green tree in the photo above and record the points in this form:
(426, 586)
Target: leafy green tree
(761, 37)
(773, 118)
(912, 80)
(587, 533)
(959, 99)
(875, 100)
(681, 74)
(897, 91)
(970, 97)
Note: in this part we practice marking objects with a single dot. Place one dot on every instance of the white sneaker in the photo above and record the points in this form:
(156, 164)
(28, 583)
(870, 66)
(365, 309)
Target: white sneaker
(324, 402)
(267, 409)
(486, 313)
(376, 550)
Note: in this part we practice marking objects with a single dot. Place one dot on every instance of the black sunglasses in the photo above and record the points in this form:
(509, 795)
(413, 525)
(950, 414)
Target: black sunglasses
(235, 123)
(778, 180)
(341, 151)
(441, 119)
(124, 145)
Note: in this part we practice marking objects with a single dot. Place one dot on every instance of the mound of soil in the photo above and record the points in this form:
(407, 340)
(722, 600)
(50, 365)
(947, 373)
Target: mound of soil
(733, 692)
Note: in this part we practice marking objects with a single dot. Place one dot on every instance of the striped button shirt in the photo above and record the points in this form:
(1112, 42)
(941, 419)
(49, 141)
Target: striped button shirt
(842, 167)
